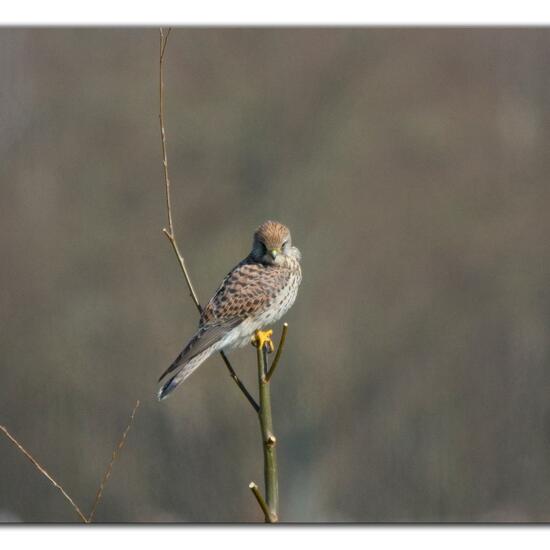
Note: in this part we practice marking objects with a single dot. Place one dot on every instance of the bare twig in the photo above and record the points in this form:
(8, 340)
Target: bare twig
(109, 469)
(242, 387)
(261, 501)
(278, 354)
(43, 471)
(106, 476)
(169, 232)
(165, 40)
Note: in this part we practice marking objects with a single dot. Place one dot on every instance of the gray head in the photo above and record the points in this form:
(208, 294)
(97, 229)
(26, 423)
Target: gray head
(273, 245)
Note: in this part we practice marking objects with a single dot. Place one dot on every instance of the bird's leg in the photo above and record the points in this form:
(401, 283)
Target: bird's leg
(263, 337)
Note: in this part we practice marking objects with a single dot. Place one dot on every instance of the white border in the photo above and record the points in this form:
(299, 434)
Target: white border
(282, 12)
(240, 12)
(276, 538)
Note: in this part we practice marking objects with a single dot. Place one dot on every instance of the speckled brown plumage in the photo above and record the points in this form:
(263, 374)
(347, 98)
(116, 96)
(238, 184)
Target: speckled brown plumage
(249, 288)
(256, 292)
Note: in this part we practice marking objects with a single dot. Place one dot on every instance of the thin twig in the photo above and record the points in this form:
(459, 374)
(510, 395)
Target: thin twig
(106, 476)
(278, 354)
(181, 262)
(261, 501)
(43, 471)
(163, 45)
(233, 375)
(109, 469)
(170, 233)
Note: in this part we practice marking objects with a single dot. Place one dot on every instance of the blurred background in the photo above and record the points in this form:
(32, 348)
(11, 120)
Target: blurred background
(412, 168)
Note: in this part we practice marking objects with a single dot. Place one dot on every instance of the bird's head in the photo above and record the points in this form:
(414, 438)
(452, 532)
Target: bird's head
(272, 244)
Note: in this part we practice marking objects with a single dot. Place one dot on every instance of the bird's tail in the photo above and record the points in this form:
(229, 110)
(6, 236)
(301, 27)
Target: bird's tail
(184, 370)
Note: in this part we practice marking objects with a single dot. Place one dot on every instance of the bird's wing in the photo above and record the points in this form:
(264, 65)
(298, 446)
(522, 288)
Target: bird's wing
(207, 335)
(246, 291)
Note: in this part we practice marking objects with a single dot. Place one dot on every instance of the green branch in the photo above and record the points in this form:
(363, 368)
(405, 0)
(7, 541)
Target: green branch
(269, 505)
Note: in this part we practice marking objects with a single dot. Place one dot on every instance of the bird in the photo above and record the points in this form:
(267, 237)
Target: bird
(256, 293)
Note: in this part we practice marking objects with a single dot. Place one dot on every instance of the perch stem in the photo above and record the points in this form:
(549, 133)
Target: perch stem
(268, 438)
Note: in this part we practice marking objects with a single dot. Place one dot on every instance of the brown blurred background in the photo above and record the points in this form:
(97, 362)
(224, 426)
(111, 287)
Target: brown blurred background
(411, 166)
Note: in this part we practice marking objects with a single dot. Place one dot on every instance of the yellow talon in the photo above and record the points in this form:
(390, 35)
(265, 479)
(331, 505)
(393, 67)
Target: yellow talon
(263, 337)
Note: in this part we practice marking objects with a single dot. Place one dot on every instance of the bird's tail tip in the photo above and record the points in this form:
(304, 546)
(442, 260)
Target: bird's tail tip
(182, 374)
(166, 389)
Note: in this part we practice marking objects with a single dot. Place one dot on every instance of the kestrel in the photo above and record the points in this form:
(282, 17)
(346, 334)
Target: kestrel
(255, 293)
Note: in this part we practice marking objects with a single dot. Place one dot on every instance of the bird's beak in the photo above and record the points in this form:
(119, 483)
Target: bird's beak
(275, 252)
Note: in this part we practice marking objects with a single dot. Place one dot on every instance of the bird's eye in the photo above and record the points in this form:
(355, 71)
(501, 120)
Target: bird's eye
(284, 244)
